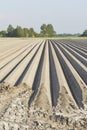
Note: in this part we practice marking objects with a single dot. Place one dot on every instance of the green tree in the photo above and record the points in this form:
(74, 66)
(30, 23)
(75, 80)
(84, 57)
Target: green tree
(50, 30)
(18, 32)
(47, 30)
(43, 30)
(84, 33)
(3, 33)
(10, 30)
(26, 32)
(31, 32)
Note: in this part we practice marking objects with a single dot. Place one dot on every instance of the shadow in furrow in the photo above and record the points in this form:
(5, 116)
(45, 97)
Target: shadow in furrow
(27, 67)
(15, 57)
(16, 65)
(37, 79)
(54, 83)
(77, 50)
(75, 64)
(73, 84)
(76, 55)
(79, 45)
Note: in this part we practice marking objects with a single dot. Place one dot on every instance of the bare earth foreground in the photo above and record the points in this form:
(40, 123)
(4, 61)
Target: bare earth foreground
(43, 84)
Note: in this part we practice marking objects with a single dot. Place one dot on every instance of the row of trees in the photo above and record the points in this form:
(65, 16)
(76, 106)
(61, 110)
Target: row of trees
(46, 31)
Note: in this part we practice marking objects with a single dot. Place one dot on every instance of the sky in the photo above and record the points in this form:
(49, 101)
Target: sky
(66, 16)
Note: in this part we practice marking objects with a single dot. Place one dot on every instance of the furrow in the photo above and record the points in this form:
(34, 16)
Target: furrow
(74, 53)
(73, 43)
(13, 57)
(17, 74)
(29, 77)
(76, 49)
(75, 64)
(62, 80)
(73, 84)
(54, 83)
(14, 65)
(37, 78)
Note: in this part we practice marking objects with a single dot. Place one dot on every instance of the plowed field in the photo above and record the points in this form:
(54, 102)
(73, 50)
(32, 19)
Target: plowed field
(41, 77)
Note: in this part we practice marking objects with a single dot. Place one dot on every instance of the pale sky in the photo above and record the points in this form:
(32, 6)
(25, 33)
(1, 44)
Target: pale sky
(67, 16)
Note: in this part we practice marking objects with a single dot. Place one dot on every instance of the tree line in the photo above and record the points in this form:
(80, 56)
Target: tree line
(45, 31)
